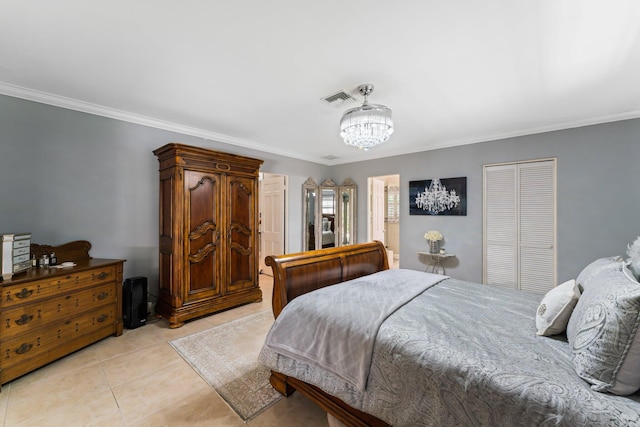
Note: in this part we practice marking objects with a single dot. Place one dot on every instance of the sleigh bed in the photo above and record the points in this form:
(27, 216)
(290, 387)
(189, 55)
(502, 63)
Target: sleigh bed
(445, 352)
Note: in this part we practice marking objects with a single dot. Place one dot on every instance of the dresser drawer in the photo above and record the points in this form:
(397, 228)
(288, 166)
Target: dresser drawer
(28, 317)
(20, 251)
(24, 243)
(35, 343)
(33, 291)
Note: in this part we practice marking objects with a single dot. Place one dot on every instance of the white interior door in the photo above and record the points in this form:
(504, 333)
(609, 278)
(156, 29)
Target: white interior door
(272, 217)
(376, 209)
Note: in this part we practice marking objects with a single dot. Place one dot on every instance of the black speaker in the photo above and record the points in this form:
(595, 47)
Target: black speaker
(134, 302)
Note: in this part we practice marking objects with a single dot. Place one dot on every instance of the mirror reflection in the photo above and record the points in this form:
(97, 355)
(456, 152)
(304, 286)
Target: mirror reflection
(347, 215)
(345, 199)
(310, 189)
(329, 214)
(328, 190)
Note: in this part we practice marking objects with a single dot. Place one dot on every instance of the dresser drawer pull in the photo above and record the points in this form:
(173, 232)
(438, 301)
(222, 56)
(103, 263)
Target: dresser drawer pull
(24, 319)
(24, 293)
(24, 348)
(102, 318)
(103, 275)
(103, 295)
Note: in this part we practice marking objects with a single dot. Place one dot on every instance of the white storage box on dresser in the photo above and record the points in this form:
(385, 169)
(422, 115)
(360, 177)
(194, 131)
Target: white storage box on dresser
(47, 313)
(15, 253)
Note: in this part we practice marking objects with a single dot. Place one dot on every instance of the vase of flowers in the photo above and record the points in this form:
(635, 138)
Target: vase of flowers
(433, 237)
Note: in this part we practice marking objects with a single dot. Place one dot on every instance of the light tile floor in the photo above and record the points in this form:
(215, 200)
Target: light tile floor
(137, 379)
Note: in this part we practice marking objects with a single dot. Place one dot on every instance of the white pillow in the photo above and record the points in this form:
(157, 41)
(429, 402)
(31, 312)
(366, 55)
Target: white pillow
(556, 307)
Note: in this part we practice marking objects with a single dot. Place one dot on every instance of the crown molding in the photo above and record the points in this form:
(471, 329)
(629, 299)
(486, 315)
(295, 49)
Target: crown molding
(630, 115)
(112, 113)
(100, 110)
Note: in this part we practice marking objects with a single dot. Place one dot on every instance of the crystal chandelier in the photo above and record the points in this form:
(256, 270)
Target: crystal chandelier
(368, 125)
(436, 198)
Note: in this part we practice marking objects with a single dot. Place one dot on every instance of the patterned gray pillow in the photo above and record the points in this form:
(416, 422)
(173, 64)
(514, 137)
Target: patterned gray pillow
(595, 267)
(603, 332)
(587, 275)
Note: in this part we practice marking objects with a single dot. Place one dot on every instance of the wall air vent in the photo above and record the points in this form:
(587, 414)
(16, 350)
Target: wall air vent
(339, 98)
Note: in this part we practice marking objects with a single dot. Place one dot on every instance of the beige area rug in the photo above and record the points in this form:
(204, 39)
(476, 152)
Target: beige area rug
(226, 357)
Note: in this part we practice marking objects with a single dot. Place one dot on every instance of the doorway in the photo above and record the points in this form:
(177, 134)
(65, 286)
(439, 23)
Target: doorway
(272, 217)
(383, 211)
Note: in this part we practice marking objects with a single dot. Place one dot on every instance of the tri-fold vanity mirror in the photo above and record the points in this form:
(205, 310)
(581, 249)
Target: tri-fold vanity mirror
(329, 214)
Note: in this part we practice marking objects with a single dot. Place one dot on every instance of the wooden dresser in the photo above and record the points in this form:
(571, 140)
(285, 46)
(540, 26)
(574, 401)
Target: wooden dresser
(47, 313)
(208, 232)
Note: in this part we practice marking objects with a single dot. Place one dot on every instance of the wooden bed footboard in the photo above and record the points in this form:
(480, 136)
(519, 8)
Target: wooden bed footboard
(299, 273)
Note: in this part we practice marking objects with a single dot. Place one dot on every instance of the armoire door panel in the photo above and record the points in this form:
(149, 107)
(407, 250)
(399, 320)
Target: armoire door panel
(242, 247)
(202, 268)
(202, 193)
(241, 265)
(166, 203)
(202, 273)
(241, 201)
(166, 241)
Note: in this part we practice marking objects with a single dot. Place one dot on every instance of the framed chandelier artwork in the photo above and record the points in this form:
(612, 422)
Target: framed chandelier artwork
(438, 196)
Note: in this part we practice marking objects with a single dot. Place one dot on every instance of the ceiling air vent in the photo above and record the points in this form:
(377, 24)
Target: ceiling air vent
(339, 98)
(330, 157)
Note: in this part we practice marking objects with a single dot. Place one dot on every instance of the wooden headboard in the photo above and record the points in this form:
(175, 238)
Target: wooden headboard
(299, 273)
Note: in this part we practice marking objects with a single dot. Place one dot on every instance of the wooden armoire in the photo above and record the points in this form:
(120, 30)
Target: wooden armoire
(208, 232)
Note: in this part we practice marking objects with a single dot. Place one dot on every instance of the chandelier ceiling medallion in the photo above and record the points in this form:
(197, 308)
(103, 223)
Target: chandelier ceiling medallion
(368, 125)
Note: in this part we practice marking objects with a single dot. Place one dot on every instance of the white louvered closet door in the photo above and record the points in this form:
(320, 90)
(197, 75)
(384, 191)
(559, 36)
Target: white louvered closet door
(500, 250)
(519, 226)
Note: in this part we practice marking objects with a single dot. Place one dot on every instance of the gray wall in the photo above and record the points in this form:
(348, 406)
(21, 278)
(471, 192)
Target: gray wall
(598, 194)
(66, 175)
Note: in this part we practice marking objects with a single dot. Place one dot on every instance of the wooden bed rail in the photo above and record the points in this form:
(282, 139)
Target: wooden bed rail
(299, 273)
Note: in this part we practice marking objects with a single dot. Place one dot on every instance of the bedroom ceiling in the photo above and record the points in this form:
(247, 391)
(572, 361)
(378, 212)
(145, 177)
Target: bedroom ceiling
(253, 73)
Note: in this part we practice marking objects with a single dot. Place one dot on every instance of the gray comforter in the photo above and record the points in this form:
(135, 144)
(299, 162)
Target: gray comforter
(464, 354)
(342, 343)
